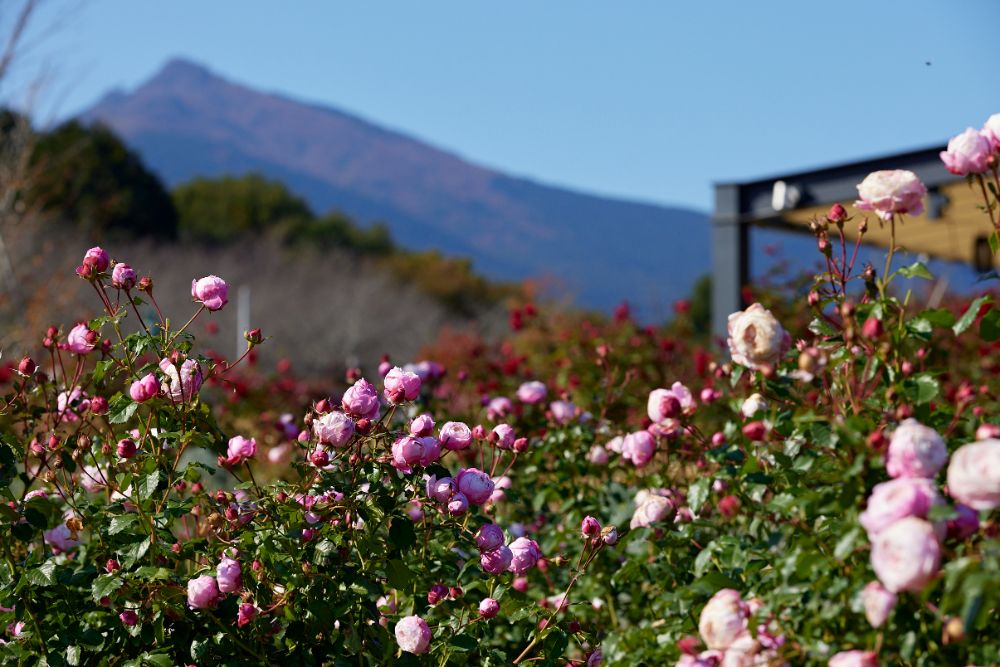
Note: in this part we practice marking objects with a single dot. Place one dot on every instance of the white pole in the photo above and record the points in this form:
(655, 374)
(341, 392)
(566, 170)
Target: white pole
(242, 318)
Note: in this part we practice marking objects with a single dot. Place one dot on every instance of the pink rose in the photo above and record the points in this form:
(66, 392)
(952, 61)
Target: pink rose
(203, 592)
(489, 537)
(532, 392)
(854, 659)
(81, 339)
(334, 428)
(639, 448)
(413, 635)
(183, 385)
(915, 451)
(240, 449)
(651, 509)
(98, 258)
(496, 561)
(406, 453)
(210, 291)
(974, 475)
(878, 603)
(361, 400)
(72, 404)
(488, 608)
(228, 572)
(723, 619)
(123, 277)
(965, 524)
(421, 426)
(503, 435)
(432, 450)
(756, 338)
(60, 539)
(890, 192)
(968, 153)
(598, 455)
(906, 555)
(590, 527)
(245, 614)
(988, 431)
(455, 435)
(126, 448)
(563, 412)
(898, 499)
(525, 554)
(991, 130)
(145, 388)
(440, 490)
(498, 408)
(499, 484)
(475, 484)
(401, 385)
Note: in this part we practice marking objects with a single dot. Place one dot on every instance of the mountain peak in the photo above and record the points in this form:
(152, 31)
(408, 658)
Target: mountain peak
(182, 71)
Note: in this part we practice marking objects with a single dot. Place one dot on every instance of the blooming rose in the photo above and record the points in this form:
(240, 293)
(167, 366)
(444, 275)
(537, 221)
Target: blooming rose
(124, 276)
(361, 400)
(406, 453)
(499, 484)
(144, 388)
(496, 561)
(988, 431)
(854, 659)
(562, 412)
(228, 573)
(723, 619)
(878, 603)
(498, 408)
(756, 338)
(333, 428)
(60, 539)
(639, 448)
(968, 153)
(974, 475)
(440, 490)
(203, 592)
(455, 435)
(897, 499)
(413, 635)
(93, 479)
(240, 449)
(421, 426)
(651, 509)
(489, 537)
(98, 258)
(532, 392)
(475, 484)
(891, 191)
(754, 404)
(401, 385)
(906, 555)
(503, 435)
(184, 385)
(432, 450)
(991, 130)
(525, 554)
(489, 607)
(598, 455)
(915, 451)
(72, 404)
(210, 291)
(81, 339)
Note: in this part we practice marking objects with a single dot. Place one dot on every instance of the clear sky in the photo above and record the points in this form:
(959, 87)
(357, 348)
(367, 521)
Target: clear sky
(646, 99)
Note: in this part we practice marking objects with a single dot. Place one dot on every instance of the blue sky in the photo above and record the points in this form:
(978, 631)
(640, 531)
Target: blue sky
(644, 99)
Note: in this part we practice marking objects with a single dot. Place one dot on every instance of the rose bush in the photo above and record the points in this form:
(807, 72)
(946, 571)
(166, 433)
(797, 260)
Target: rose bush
(819, 489)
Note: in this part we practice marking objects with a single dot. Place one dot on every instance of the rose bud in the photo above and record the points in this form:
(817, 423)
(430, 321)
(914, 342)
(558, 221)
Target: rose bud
(837, 214)
(521, 445)
(26, 367)
(455, 592)
(872, 328)
(99, 405)
(254, 336)
(489, 608)
(112, 565)
(590, 527)
(129, 617)
(126, 448)
(756, 430)
(728, 506)
(123, 276)
(436, 594)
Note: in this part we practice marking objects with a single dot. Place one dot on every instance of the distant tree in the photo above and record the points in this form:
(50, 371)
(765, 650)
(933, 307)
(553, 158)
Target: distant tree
(701, 305)
(86, 175)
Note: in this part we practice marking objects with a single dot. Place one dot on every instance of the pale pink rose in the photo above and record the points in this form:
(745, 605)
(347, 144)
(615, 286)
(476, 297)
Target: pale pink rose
(240, 449)
(532, 392)
(455, 435)
(525, 554)
(988, 431)
(475, 484)
(991, 130)
(361, 400)
(181, 386)
(228, 573)
(432, 450)
(81, 339)
(652, 509)
(639, 448)
(413, 635)
(898, 499)
(563, 412)
(906, 555)
(890, 192)
(498, 408)
(598, 455)
(915, 451)
(124, 276)
(968, 153)
(723, 619)
(60, 539)
(756, 337)
(144, 388)
(489, 537)
(503, 435)
(500, 484)
(71, 404)
(440, 490)
(210, 291)
(421, 426)
(93, 479)
(878, 603)
(496, 561)
(854, 659)
(406, 453)
(334, 428)
(974, 475)
(752, 405)
(488, 608)
(401, 385)
(387, 604)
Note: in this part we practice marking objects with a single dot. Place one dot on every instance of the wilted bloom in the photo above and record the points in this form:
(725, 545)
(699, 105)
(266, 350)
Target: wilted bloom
(525, 555)
(81, 339)
(496, 561)
(968, 153)
(915, 451)
(503, 435)
(854, 659)
(974, 475)
(878, 603)
(723, 619)
(211, 291)
(228, 573)
(413, 635)
(240, 449)
(897, 499)
(245, 614)
(455, 435)
(609, 536)
(532, 392)
(489, 608)
(361, 400)
(123, 276)
(203, 592)
(639, 448)
(144, 388)
(906, 555)
(183, 385)
(891, 191)
(401, 385)
(756, 337)
(61, 539)
(334, 428)
(475, 484)
(489, 537)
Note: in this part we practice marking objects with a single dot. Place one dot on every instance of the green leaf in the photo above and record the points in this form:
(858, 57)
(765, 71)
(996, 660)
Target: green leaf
(463, 643)
(134, 552)
(120, 523)
(821, 327)
(969, 316)
(939, 317)
(401, 533)
(916, 270)
(106, 584)
(121, 409)
(989, 326)
(698, 494)
(921, 389)
(73, 655)
(44, 574)
(398, 574)
(846, 544)
(157, 659)
(147, 487)
(995, 242)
